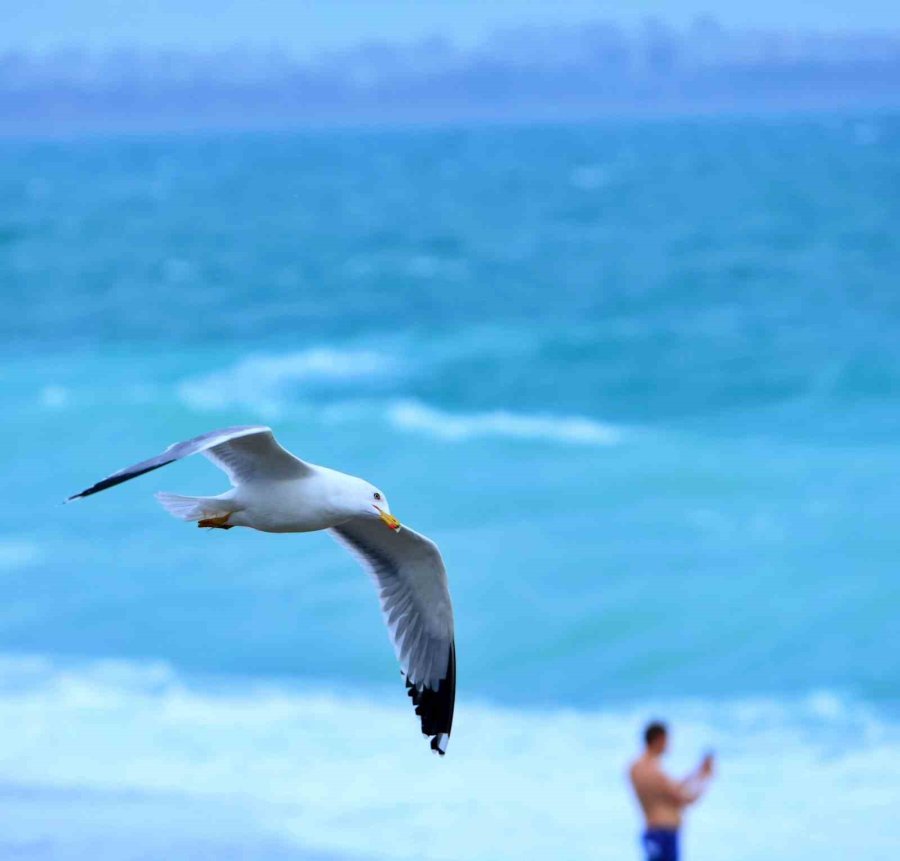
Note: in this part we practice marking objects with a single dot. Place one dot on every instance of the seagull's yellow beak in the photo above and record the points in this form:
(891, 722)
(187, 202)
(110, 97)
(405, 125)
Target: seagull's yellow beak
(390, 521)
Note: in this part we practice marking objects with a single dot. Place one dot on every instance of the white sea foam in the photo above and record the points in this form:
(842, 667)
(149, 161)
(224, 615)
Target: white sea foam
(410, 415)
(18, 553)
(262, 383)
(54, 397)
(349, 775)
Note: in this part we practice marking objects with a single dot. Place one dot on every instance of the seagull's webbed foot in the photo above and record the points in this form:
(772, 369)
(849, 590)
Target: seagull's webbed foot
(215, 522)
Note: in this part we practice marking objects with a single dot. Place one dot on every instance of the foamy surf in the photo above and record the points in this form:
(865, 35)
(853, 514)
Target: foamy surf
(287, 766)
(336, 386)
(411, 415)
(263, 382)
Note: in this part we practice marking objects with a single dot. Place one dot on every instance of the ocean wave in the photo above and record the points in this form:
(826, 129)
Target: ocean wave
(262, 382)
(410, 415)
(276, 385)
(348, 774)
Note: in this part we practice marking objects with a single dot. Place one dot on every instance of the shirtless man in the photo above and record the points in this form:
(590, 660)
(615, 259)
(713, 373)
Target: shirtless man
(661, 798)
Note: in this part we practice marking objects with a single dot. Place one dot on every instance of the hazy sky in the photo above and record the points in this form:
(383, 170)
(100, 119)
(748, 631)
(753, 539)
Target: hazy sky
(307, 26)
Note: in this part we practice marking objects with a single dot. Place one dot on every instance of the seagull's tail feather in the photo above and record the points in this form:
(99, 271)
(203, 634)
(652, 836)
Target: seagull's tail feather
(193, 507)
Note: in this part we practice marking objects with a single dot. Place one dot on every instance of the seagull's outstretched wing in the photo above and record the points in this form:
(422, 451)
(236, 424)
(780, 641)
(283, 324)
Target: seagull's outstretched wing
(412, 584)
(241, 452)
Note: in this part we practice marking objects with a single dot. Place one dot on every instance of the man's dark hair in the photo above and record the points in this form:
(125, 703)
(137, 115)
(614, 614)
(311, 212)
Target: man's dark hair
(654, 730)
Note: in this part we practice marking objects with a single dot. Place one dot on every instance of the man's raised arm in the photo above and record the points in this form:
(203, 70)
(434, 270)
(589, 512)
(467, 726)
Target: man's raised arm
(696, 783)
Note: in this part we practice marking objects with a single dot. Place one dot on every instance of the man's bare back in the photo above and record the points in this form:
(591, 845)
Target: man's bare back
(661, 798)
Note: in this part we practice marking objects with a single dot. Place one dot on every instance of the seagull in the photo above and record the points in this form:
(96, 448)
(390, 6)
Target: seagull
(274, 491)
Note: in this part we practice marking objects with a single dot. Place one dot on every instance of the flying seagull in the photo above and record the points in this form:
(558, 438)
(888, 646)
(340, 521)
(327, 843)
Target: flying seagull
(273, 491)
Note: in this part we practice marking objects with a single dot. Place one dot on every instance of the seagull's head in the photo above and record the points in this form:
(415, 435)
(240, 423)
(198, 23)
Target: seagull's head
(375, 504)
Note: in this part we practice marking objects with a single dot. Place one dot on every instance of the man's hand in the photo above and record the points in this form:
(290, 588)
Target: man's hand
(707, 766)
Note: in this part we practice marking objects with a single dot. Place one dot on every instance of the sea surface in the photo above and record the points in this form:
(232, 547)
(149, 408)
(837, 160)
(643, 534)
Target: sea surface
(639, 380)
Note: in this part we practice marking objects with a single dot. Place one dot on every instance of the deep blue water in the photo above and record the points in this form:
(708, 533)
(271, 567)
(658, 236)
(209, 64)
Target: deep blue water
(638, 380)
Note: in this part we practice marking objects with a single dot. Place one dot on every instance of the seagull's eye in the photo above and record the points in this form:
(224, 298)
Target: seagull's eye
(377, 495)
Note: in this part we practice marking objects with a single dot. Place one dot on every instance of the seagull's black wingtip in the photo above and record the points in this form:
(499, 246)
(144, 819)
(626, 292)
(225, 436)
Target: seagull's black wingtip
(435, 707)
(123, 476)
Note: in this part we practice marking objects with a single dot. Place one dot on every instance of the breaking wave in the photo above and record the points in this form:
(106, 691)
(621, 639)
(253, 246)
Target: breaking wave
(263, 382)
(347, 773)
(410, 415)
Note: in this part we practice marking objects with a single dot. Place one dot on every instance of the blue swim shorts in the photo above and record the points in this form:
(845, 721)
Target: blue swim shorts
(660, 844)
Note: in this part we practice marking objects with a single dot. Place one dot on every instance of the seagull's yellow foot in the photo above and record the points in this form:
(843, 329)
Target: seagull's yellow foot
(215, 522)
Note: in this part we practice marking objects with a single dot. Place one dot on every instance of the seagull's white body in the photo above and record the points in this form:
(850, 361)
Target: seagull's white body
(274, 491)
(313, 502)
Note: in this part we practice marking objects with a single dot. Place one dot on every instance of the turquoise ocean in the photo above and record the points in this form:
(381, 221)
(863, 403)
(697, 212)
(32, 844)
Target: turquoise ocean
(639, 380)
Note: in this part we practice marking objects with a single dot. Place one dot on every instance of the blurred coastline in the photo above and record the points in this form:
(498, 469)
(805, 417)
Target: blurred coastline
(525, 73)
